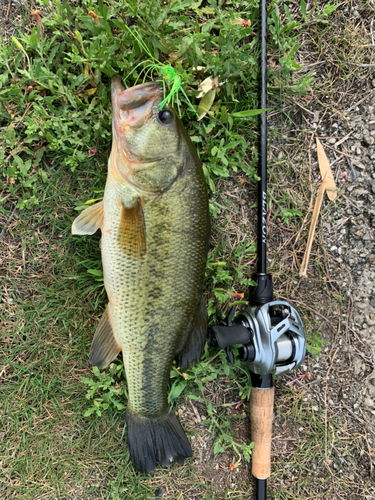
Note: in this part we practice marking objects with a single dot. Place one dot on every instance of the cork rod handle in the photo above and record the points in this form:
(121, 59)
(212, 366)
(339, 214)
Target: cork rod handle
(261, 414)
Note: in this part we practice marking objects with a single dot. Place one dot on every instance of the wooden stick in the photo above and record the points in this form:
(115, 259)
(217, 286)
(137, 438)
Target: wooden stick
(261, 414)
(317, 207)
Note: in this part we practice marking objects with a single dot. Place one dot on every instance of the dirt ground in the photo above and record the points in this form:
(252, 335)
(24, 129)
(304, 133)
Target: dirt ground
(324, 432)
(10, 17)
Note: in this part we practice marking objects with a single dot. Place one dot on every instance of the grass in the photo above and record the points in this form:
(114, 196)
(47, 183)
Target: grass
(54, 144)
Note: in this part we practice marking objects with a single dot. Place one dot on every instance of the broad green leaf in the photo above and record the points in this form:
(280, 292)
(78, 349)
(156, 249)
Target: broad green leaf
(206, 103)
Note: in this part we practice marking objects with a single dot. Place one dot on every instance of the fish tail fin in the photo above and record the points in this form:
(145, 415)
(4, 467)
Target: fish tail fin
(152, 440)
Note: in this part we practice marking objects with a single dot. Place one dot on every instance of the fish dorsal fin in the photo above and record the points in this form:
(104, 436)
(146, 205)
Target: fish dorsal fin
(89, 221)
(104, 348)
(131, 236)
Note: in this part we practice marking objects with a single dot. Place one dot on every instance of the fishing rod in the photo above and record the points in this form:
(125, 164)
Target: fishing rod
(270, 331)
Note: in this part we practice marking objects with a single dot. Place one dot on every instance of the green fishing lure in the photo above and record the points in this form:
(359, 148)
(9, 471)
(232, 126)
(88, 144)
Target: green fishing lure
(170, 78)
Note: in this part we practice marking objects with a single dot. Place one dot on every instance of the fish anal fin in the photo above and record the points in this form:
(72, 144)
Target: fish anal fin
(90, 220)
(104, 348)
(131, 236)
(191, 351)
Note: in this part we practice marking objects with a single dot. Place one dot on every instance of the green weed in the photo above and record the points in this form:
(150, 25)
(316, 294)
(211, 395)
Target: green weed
(111, 387)
(54, 99)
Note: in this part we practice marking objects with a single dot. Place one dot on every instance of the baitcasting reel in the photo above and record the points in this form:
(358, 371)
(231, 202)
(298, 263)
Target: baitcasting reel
(272, 339)
(271, 335)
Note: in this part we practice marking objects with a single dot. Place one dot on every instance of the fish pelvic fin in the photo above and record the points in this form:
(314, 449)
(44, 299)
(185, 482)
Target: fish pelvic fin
(104, 348)
(90, 220)
(192, 350)
(156, 440)
(131, 236)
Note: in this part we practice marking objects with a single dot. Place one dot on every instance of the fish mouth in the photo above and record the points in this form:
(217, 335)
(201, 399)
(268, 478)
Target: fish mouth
(133, 107)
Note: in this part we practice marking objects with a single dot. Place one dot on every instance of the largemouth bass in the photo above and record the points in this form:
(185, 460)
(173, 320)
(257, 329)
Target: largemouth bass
(154, 221)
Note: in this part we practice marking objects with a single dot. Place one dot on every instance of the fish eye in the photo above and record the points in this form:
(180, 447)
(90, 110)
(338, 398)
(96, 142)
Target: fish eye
(166, 117)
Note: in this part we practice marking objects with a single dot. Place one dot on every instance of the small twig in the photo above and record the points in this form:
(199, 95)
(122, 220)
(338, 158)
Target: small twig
(372, 374)
(251, 261)
(314, 220)
(361, 420)
(343, 139)
(358, 65)
(18, 124)
(337, 151)
(7, 15)
(369, 426)
(7, 223)
(340, 372)
(296, 258)
(198, 417)
(329, 108)
(23, 255)
(304, 222)
(369, 455)
(361, 101)
(309, 66)
(351, 202)
(302, 107)
(335, 161)
(6, 184)
(358, 338)
(353, 414)
(304, 375)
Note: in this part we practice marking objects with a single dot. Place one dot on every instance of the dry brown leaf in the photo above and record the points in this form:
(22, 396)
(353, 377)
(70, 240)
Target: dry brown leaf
(326, 172)
(205, 86)
(328, 185)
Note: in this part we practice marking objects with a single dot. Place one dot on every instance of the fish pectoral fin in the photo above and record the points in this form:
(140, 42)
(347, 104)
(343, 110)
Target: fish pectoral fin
(131, 236)
(104, 348)
(90, 220)
(191, 351)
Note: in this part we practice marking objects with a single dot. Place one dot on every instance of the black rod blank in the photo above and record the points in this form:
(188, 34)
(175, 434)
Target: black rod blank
(262, 165)
(261, 489)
